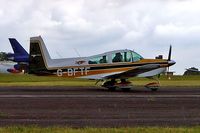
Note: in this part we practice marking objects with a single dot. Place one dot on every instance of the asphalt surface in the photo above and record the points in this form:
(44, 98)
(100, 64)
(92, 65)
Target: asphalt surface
(98, 107)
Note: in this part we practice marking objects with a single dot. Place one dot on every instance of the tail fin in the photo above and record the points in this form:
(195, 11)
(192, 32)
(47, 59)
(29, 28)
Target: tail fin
(17, 48)
(20, 54)
(39, 58)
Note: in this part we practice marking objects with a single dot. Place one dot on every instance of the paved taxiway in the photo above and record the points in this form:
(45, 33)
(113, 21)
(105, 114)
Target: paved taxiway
(97, 107)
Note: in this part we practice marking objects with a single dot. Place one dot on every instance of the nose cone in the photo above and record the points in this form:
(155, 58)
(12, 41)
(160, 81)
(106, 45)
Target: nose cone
(171, 62)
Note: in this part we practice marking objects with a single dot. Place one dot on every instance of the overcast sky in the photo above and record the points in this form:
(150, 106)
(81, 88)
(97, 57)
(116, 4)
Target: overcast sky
(96, 26)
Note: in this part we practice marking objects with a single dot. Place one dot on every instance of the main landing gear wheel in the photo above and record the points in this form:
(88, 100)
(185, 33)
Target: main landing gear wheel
(112, 85)
(112, 88)
(126, 89)
(125, 85)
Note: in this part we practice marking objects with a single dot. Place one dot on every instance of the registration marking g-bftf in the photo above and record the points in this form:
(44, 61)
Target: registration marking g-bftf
(73, 71)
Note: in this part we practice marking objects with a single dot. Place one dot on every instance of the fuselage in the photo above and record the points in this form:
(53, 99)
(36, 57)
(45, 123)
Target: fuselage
(101, 65)
(98, 71)
(114, 64)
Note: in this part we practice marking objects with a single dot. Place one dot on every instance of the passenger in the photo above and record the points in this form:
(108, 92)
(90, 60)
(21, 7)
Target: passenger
(103, 60)
(117, 58)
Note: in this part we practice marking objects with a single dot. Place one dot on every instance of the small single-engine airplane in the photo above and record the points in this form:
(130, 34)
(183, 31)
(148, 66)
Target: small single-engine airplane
(20, 56)
(109, 66)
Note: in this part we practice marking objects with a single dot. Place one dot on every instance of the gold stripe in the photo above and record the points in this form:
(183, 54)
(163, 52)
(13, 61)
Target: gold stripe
(95, 72)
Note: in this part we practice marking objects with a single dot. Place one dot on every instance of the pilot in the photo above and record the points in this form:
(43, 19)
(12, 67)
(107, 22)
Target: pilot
(118, 57)
(103, 60)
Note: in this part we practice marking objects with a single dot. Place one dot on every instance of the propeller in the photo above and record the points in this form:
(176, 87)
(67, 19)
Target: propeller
(170, 62)
(170, 53)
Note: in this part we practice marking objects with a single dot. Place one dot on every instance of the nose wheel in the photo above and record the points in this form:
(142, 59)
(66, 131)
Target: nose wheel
(154, 86)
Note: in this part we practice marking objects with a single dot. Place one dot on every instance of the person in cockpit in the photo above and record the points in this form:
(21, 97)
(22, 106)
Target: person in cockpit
(117, 58)
(103, 60)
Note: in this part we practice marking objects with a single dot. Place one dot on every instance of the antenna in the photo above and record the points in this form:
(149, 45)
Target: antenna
(77, 52)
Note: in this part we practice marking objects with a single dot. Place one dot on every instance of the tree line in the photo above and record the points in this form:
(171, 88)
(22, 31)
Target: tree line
(3, 56)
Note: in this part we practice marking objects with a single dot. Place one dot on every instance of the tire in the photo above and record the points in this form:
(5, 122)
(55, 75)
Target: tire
(126, 89)
(112, 88)
(154, 89)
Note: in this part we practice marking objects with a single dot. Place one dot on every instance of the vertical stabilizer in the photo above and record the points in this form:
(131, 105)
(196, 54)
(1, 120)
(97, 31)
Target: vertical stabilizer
(39, 56)
(17, 48)
(20, 55)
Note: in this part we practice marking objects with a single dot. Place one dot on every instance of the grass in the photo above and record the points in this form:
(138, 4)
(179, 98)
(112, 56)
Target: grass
(35, 129)
(174, 81)
(31, 80)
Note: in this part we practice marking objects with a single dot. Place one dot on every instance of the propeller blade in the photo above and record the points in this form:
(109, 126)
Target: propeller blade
(170, 52)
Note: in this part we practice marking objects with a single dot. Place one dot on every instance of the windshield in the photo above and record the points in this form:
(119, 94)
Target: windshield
(136, 56)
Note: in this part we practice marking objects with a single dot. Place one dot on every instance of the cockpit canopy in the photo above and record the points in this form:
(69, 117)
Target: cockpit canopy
(115, 56)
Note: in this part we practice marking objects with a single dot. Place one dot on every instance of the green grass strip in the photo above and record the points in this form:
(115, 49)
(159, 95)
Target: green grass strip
(31, 80)
(35, 129)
